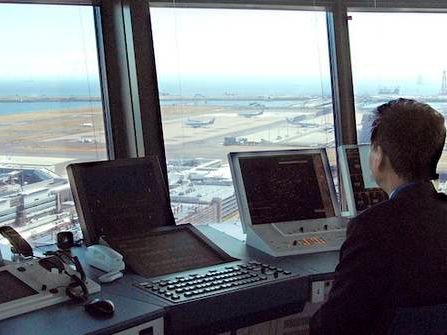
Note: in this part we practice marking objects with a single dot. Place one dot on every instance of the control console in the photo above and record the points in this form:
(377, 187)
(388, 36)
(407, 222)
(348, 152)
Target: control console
(213, 280)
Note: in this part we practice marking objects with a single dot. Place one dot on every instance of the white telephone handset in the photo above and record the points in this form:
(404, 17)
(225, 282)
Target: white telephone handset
(104, 258)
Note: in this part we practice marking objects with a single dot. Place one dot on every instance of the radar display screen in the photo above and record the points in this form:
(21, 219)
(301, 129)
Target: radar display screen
(120, 197)
(12, 288)
(289, 187)
(168, 250)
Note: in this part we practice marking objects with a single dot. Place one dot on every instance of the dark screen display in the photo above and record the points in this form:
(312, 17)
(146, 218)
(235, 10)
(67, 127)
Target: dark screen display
(12, 288)
(286, 188)
(155, 254)
(120, 199)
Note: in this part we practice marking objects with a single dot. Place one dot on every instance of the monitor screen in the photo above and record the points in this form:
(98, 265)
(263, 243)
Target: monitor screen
(168, 250)
(13, 288)
(116, 198)
(286, 187)
(362, 191)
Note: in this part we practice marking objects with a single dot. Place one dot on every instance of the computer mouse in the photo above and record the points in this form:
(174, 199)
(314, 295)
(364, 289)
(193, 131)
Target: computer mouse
(100, 308)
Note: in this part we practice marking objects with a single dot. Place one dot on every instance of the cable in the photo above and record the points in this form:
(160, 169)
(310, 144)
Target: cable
(76, 282)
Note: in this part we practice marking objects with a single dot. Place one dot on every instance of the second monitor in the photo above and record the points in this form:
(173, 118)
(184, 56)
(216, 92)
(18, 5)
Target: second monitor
(287, 201)
(360, 188)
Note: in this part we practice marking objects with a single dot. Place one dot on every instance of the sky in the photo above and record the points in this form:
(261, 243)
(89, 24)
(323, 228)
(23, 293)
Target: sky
(388, 49)
(236, 43)
(400, 46)
(47, 41)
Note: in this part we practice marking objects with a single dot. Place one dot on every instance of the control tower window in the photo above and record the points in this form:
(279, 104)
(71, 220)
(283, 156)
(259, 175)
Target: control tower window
(405, 59)
(236, 80)
(51, 114)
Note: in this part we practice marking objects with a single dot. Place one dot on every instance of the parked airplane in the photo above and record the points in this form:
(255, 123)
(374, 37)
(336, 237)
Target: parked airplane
(250, 113)
(259, 110)
(195, 123)
(297, 120)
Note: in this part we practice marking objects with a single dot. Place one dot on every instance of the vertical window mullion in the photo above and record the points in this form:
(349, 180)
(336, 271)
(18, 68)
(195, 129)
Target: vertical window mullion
(341, 76)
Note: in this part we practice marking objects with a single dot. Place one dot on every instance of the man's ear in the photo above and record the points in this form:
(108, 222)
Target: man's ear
(377, 159)
(381, 158)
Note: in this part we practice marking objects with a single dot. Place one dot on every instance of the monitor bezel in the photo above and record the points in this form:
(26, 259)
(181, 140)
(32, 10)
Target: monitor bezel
(74, 171)
(239, 190)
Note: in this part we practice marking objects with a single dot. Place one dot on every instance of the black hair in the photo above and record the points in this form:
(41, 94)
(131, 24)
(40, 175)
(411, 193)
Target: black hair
(412, 136)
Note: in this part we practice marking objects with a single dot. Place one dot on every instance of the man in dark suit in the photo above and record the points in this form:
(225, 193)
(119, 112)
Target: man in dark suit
(395, 254)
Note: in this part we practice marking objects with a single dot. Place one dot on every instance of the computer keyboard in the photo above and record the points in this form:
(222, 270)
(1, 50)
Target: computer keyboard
(209, 281)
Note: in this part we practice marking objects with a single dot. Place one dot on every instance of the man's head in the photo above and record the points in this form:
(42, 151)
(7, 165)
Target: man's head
(407, 139)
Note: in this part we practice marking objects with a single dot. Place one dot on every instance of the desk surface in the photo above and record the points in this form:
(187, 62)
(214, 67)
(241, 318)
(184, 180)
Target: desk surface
(313, 264)
(213, 314)
(70, 318)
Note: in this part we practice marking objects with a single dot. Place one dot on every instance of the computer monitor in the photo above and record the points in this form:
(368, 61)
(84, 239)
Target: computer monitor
(360, 188)
(124, 203)
(282, 196)
(118, 197)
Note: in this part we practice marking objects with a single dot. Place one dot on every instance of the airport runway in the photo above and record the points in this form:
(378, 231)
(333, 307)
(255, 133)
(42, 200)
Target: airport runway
(79, 135)
(182, 141)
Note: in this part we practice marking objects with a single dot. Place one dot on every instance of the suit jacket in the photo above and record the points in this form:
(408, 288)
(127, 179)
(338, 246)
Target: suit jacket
(395, 255)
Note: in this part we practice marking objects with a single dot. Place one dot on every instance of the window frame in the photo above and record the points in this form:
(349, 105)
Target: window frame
(339, 59)
(132, 116)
